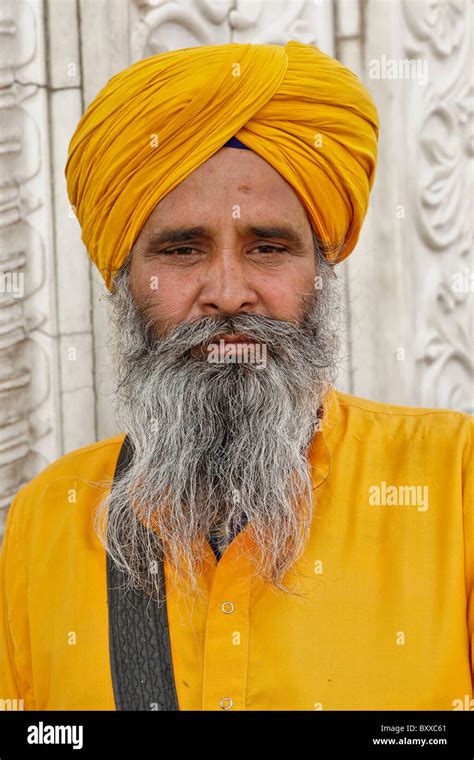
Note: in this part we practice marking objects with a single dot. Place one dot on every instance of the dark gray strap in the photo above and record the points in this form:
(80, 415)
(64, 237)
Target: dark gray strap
(139, 642)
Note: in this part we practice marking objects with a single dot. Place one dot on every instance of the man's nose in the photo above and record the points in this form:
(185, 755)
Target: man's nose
(227, 286)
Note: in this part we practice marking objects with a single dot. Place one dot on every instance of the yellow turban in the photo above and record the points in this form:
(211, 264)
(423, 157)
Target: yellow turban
(157, 121)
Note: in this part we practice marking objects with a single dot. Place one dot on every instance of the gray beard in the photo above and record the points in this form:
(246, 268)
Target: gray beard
(215, 445)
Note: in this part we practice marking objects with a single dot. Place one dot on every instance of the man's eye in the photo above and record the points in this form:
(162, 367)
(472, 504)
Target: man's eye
(187, 250)
(270, 249)
(183, 251)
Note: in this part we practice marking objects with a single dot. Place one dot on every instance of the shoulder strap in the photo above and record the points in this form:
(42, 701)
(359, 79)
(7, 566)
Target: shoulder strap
(139, 642)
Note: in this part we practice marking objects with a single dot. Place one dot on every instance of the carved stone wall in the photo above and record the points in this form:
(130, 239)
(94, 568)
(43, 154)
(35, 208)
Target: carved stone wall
(46, 378)
(409, 284)
(439, 174)
(411, 280)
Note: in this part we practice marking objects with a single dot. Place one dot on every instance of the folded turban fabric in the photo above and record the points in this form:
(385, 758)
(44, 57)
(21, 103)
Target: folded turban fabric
(158, 120)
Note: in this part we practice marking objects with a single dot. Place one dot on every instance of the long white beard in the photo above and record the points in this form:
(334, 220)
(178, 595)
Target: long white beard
(215, 444)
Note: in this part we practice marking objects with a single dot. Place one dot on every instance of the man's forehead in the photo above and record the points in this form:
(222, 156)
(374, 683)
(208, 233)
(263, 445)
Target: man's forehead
(231, 170)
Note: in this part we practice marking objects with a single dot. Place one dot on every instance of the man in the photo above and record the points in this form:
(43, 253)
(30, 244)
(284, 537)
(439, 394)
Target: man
(254, 539)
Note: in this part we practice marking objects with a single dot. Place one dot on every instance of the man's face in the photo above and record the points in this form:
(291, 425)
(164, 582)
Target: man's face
(231, 238)
(216, 443)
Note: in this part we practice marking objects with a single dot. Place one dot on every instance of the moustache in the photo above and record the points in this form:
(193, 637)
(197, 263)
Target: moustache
(277, 334)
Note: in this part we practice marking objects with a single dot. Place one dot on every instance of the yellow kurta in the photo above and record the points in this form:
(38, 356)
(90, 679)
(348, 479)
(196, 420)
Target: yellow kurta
(385, 619)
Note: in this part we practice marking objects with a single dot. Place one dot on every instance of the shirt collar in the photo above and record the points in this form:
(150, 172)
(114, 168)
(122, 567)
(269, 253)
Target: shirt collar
(319, 452)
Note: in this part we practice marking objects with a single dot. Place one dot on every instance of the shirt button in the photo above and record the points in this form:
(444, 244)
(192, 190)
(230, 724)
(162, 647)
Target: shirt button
(227, 607)
(226, 703)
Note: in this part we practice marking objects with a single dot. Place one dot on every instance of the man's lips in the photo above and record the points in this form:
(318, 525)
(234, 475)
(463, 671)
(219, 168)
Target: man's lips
(230, 338)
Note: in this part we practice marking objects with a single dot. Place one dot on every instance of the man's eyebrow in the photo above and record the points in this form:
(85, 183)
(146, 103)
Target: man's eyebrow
(175, 235)
(284, 232)
(184, 234)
